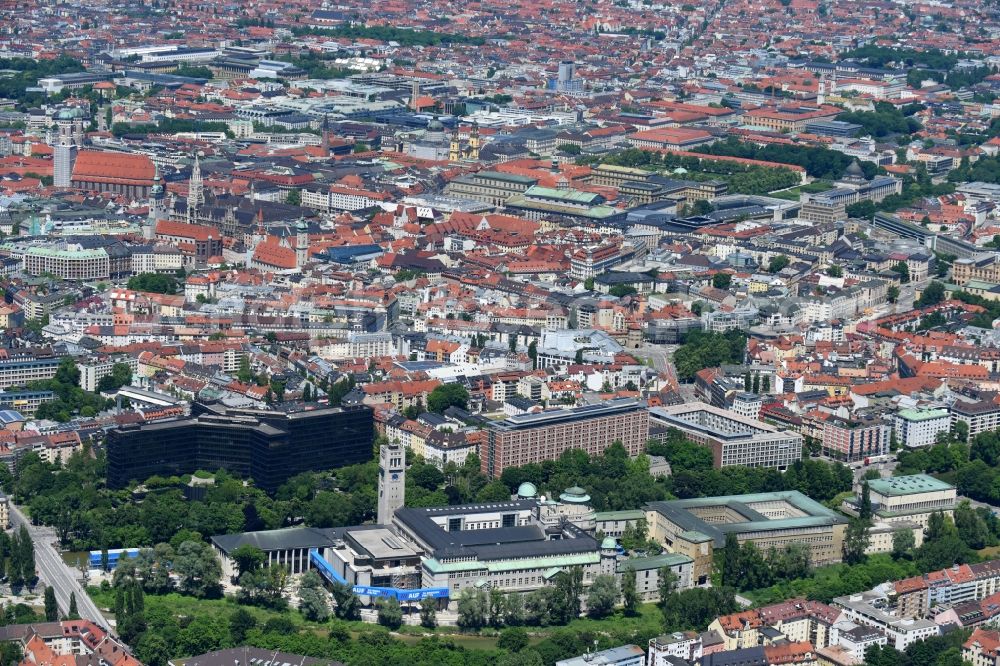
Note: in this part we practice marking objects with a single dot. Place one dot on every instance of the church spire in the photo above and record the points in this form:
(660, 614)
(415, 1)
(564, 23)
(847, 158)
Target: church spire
(196, 189)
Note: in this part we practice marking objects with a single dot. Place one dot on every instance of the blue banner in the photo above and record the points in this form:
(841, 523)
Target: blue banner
(331, 574)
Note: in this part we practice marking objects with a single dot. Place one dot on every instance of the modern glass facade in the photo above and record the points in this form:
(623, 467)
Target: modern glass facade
(267, 446)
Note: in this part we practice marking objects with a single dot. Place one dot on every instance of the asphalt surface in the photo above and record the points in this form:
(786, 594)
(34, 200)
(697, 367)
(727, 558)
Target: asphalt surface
(53, 571)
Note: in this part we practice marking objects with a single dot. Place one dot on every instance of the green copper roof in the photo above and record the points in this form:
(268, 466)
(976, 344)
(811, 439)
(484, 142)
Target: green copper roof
(574, 196)
(654, 562)
(435, 566)
(898, 486)
(922, 414)
(628, 514)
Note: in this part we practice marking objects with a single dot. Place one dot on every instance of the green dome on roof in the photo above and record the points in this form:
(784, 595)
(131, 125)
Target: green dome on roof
(609, 543)
(527, 489)
(575, 495)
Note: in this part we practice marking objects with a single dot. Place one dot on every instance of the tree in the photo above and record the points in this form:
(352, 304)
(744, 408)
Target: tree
(630, 596)
(835, 271)
(74, 613)
(121, 374)
(892, 294)
(722, 280)
(152, 650)
(294, 197)
(856, 541)
(971, 526)
(755, 386)
(777, 263)
(513, 639)
(747, 383)
(622, 290)
(25, 549)
(245, 374)
(865, 506)
(903, 270)
(204, 634)
(666, 582)
(765, 384)
(428, 613)
(347, 606)
(447, 395)
(312, 598)
(390, 614)
(731, 567)
(497, 607)
(602, 596)
(51, 607)
(241, 622)
(198, 568)
(473, 608)
(264, 587)
(931, 295)
(247, 558)
(157, 283)
(11, 653)
(307, 393)
(701, 207)
(883, 655)
(903, 543)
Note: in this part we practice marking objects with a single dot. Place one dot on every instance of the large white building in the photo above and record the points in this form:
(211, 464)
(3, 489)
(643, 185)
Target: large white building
(92, 372)
(911, 498)
(733, 439)
(915, 428)
(870, 609)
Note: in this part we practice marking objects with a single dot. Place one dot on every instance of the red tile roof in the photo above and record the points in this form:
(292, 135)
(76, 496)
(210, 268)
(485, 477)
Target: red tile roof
(113, 168)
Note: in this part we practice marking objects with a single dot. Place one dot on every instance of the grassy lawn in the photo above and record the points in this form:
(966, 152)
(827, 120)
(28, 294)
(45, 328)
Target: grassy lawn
(179, 605)
(648, 620)
(810, 188)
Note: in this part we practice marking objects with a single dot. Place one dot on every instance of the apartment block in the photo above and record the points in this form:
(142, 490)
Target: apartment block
(734, 439)
(531, 438)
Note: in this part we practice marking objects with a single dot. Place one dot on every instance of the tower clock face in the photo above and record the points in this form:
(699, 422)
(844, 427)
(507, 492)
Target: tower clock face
(395, 477)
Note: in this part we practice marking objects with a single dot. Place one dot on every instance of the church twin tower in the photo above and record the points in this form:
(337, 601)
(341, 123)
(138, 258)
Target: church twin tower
(470, 152)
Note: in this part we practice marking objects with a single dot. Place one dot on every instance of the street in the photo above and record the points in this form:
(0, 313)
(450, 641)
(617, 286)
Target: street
(53, 571)
(660, 356)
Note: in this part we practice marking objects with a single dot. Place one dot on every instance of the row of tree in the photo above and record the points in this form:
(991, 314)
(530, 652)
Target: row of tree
(885, 120)
(694, 474)
(17, 557)
(741, 178)
(193, 565)
(818, 162)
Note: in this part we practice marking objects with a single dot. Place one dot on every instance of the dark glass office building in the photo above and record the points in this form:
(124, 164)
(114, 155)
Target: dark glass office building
(267, 446)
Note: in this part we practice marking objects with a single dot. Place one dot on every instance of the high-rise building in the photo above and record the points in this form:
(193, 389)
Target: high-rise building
(269, 446)
(566, 70)
(531, 438)
(391, 480)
